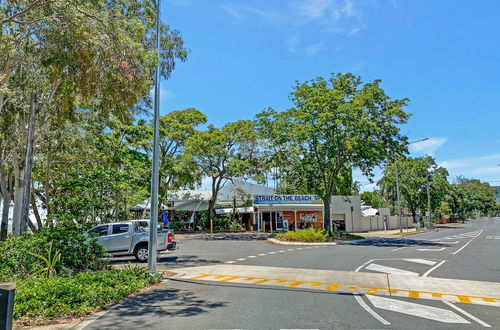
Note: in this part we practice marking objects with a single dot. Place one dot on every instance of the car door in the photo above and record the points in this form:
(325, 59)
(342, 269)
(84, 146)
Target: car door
(102, 234)
(119, 239)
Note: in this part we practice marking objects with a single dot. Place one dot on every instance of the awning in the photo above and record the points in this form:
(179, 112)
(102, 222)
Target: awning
(228, 210)
(194, 205)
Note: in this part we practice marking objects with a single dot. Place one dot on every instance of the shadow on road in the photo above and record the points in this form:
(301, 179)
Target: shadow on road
(393, 242)
(145, 309)
(234, 237)
(166, 261)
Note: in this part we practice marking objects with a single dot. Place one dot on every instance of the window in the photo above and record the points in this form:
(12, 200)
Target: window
(100, 230)
(120, 229)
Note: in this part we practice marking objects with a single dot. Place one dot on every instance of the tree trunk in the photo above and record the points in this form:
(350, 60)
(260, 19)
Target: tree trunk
(4, 180)
(48, 220)
(35, 209)
(28, 168)
(18, 197)
(326, 215)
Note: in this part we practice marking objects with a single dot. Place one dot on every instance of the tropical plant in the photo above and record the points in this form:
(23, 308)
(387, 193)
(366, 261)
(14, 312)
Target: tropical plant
(50, 261)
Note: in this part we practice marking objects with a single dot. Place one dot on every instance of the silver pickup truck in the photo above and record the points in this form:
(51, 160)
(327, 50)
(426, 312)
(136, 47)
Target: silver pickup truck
(131, 238)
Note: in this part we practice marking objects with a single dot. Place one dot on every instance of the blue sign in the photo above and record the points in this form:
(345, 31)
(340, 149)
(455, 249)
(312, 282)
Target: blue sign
(286, 199)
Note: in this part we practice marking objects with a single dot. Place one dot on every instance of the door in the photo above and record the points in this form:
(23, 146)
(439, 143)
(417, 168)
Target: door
(102, 235)
(120, 238)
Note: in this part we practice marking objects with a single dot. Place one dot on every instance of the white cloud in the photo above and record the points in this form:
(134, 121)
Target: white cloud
(295, 16)
(469, 162)
(315, 48)
(428, 146)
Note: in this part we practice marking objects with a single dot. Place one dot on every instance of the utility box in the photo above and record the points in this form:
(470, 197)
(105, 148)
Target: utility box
(7, 292)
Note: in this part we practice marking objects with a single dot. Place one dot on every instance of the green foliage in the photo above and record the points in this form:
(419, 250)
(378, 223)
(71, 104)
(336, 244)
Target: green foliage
(78, 253)
(77, 295)
(177, 226)
(373, 199)
(225, 154)
(225, 223)
(50, 261)
(336, 124)
(414, 176)
(306, 235)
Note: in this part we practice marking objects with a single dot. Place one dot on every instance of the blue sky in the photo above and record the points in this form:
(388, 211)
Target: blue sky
(443, 55)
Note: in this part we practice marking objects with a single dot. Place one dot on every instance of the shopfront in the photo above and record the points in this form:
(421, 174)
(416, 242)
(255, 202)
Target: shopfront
(287, 212)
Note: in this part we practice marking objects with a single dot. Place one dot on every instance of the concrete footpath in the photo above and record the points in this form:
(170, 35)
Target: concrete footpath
(462, 291)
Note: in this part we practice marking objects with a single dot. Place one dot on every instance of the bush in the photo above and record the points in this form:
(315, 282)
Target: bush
(77, 295)
(78, 253)
(305, 235)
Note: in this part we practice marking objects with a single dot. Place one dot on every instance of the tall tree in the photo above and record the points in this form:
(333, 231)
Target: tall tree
(96, 55)
(225, 154)
(414, 176)
(337, 124)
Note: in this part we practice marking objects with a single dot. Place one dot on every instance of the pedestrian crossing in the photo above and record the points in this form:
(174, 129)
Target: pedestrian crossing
(472, 234)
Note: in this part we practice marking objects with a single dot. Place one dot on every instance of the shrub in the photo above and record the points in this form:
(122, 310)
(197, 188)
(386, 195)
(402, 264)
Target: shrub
(305, 235)
(78, 253)
(77, 295)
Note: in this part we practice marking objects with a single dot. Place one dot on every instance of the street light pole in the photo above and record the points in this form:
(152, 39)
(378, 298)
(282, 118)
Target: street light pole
(399, 199)
(397, 188)
(153, 220)
(428, 204)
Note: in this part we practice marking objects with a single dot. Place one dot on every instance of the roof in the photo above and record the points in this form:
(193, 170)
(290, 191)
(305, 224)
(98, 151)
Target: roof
(238, 189)
(368, 211)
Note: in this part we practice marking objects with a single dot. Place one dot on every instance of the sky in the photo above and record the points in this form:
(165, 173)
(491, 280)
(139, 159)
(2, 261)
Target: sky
(443, 55)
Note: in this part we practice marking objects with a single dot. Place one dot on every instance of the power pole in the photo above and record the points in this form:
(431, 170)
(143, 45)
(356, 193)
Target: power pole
(399, 198)
(153, 221)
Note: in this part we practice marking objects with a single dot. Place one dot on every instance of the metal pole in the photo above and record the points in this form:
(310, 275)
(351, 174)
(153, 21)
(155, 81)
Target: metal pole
(428, 205)
(153, 221)
(399, 200)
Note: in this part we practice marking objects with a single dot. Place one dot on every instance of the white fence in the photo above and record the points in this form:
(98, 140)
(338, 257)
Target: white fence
(377, 222)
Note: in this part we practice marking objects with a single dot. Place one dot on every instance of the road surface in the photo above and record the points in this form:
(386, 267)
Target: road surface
(249, 284)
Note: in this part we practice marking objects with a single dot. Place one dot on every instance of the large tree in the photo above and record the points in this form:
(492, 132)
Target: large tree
(225, 154)
(414, 176)
(336, 124)
(59, 56)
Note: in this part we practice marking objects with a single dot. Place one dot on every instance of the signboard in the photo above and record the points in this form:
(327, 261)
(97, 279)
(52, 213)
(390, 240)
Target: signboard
(286, 199)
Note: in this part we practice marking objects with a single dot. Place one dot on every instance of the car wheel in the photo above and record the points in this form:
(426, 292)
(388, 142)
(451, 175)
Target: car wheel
(141, 253)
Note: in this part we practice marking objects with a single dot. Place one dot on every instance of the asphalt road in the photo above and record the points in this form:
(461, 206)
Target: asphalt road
(467, 252)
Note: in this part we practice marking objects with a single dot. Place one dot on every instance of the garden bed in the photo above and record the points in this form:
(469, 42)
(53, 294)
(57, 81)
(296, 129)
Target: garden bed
(313, 235)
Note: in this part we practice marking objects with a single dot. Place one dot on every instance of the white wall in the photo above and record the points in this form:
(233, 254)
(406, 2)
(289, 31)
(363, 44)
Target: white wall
(342, 205)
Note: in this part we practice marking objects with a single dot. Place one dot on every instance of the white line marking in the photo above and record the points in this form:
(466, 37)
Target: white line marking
(408, 308)
(230, 262)
(272, 252)
(433, 268)
(299, 248)
(281, 251)
(366, 263)
(422, 261)
(400, 248)
(462, 247)
(390, 270)
(262, 254)
(252, 257)
(308, 247)
(441, 249)
(447, 242)
(369, 310)
(472, 317)
(290, 249)
(241, 259)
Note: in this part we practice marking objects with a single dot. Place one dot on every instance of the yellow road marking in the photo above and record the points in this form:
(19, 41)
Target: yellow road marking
(333, 286)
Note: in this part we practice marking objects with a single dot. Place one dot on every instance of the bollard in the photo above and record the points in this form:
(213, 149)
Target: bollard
(7, 292)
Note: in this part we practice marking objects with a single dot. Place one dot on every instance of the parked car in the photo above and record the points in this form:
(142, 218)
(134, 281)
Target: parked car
(131, 238)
